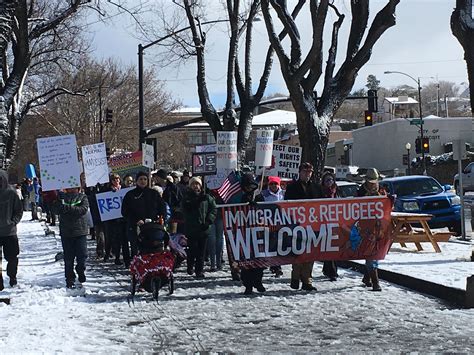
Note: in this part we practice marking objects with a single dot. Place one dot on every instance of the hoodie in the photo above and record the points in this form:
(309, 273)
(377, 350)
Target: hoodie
(11, 209)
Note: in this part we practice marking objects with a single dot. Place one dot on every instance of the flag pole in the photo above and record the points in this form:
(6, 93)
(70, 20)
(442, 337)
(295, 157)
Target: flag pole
(261, 180)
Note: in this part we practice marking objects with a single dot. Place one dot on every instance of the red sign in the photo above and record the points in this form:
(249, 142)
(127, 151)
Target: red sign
(292, 232)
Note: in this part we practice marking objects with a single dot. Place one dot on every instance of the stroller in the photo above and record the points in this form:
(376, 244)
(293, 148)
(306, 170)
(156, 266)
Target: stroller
(152, 268)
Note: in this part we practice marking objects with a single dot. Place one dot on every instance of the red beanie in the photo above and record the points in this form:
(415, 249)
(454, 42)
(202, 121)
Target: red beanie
(274, 179)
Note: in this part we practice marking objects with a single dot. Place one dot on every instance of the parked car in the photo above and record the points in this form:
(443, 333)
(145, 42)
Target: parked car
(424, 194)
(347, 188)
(467, 179)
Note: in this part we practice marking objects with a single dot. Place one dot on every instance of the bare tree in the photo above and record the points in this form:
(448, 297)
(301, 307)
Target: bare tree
(462, 26)
(314, 115)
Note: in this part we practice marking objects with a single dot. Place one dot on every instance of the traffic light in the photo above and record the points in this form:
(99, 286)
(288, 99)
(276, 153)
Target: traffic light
(372, 101)
(418, 146)
(369, 118)
(425, 145)
(108, 115)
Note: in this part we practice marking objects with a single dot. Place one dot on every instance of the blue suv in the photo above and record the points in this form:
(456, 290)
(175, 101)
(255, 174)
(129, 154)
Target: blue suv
(423, 194)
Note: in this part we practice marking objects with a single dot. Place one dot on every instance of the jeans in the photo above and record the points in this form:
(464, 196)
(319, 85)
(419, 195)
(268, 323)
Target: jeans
(371, 265)
(215, 243)
(74, 248)
(11, 249)
(34, 210)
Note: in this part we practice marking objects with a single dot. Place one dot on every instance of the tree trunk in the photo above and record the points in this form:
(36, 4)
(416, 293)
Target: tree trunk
(313, 130)
(462, 26)
(244, 130)
(3, 133)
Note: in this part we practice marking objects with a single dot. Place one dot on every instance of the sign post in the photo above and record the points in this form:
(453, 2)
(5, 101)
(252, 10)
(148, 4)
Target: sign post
(459, 153)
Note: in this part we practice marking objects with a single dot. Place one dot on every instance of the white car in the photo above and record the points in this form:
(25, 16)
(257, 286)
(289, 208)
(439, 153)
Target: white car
(467, 179)
(347, 188)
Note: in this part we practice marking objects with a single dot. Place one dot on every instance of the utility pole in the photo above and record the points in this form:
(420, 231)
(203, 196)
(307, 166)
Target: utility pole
(101, 119)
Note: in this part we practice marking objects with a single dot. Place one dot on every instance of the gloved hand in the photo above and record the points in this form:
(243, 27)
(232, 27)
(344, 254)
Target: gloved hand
(204, 226)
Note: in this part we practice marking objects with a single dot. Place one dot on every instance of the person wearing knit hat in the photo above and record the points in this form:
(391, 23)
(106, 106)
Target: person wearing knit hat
(274, 193)
(195, 180)
(199, 211)
(140, 204)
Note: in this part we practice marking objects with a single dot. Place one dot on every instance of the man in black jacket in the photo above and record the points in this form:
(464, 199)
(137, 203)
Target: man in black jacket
(303, 189)
(72, 207)
(11, 211)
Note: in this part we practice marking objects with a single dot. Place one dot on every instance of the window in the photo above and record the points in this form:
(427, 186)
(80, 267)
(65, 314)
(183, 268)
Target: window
(195, 138)
(210, 138)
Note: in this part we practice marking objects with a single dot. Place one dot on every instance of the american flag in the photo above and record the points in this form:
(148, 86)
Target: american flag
(230, 187)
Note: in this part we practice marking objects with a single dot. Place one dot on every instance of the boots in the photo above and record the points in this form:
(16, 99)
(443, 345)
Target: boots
(366, 280)
(1, 283)
(374, 277)
(295, 284)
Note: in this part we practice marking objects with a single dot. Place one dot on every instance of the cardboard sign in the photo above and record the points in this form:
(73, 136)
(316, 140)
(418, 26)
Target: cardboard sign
(264, 147)
(59, 166)
(204, 164)
(227, 150)
(94, 160)
(285, 164)
(110, 204)
(148, 156)
(293, 232)
(127, 164)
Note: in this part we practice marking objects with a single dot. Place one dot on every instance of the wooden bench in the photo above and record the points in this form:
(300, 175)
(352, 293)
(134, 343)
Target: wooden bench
(404, 232)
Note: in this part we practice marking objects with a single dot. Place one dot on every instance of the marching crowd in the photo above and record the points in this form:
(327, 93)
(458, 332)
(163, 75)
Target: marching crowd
(180, 203)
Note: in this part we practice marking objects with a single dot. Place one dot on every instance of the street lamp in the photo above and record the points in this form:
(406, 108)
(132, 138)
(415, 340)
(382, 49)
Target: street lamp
(408, 147)
(417, 81)
(141, 49)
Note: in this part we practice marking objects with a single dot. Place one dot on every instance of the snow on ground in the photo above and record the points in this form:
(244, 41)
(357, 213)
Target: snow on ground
(212, 314)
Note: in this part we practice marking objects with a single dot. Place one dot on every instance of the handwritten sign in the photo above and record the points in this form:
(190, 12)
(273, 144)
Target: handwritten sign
(94, 160)
(285, 162)
(264, 147)
(110, 204)
(148, 156)
(59, 167)
(226, 150)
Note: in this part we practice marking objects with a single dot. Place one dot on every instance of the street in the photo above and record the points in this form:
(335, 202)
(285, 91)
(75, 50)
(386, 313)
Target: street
(213, 315)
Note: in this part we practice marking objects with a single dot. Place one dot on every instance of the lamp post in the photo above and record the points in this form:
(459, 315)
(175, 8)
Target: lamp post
(141, 49)
(408, 147)
(417, 81)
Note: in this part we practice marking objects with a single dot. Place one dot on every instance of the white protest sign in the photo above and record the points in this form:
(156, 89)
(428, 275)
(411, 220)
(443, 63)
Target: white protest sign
(285, 162)
(94, 159)
(264, 147)
(110, 204)
(226, 150)
(148, 156)
(59, 166)
(213, 181)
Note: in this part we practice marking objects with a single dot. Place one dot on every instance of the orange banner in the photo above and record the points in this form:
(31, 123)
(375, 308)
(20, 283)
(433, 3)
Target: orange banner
(292, 232)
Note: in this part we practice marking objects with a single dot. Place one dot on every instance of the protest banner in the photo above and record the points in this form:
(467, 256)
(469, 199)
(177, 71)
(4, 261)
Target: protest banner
(226, 150)
(293, 232)
(286, 160)
(264, 148)
(127, 164)
(110, 204)
(94, 159)
(148, 155)
(59, 166)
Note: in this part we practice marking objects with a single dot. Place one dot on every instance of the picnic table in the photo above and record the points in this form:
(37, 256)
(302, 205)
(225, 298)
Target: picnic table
(405, 232)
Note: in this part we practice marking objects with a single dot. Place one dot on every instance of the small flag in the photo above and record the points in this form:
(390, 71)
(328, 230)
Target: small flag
(230, 187)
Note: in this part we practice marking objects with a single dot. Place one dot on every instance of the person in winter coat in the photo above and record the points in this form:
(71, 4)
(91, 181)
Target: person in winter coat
(34, 190)
(371, 187)
(116, 239)
(329, 190)
(250, 277)
(48, 199)
(274, 193)
(11, 211)
(140, 204)
(26, 193)
(302, 189)
(199, 210)
(72, 206)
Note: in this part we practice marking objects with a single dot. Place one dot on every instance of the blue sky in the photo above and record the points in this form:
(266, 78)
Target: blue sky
(420, 44)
